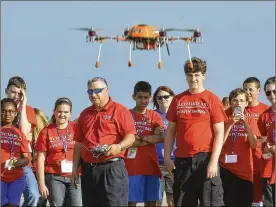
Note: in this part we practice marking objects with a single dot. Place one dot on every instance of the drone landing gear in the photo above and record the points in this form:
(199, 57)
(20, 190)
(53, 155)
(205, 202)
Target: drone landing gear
(159, 56)
(188, 40)
(99, 54)
(129, 61)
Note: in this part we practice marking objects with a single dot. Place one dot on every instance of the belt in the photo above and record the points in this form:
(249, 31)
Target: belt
(104, 162)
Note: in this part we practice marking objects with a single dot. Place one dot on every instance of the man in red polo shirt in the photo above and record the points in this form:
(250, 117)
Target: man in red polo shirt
(16, 90)
(104, 176)
(252, 86)
(196, 118)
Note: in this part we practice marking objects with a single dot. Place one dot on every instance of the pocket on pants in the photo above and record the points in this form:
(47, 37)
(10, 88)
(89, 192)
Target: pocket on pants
(216, 192)
(213, 192)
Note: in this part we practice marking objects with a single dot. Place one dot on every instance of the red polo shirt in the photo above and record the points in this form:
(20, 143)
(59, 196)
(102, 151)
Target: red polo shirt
(13, 135)
(107, 126)
(195, 115)
(49, 141)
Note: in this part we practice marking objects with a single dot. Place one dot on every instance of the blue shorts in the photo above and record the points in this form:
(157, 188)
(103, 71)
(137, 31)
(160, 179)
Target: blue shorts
(144, 188)
(11, 192)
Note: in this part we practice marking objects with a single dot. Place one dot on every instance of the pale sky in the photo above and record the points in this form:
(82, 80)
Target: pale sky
(38, 45)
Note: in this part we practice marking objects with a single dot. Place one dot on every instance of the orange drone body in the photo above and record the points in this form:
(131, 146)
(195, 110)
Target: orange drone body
(143, 31)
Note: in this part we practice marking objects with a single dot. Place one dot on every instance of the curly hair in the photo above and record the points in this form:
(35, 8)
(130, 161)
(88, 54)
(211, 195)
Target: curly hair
(199, 65)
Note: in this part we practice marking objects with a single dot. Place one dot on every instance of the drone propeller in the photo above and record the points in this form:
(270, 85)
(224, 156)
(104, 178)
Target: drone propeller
(179, 30)
(87, 29)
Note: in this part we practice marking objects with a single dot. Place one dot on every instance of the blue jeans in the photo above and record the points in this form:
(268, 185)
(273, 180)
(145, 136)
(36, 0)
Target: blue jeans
(62, 192)
(31, 193)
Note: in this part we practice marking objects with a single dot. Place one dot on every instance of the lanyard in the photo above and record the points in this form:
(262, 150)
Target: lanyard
(64, 141)
(234, 138)
(144, 123)
(10, 140)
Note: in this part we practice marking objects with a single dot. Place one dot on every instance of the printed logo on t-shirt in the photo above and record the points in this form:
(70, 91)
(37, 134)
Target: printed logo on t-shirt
(238, 130)
(55, 142)
(252, 115)
(7, 138)
(106, 117)
(192, 108)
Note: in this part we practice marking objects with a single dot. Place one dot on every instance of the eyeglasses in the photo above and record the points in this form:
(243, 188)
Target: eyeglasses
(235, 101)
(268, 93)
(4, 112)
(96, 91)
(165, 97)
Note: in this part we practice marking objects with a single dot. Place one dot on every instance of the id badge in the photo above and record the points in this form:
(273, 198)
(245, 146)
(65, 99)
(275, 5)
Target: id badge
(267, 156)
(9, 164)
(66, 166)
(131, 154)
(231, 158)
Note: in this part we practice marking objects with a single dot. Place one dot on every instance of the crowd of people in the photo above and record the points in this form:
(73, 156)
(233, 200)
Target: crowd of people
(193, 147)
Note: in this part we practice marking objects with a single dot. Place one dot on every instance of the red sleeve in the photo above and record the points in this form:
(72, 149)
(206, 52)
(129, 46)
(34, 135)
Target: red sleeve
(261, 125)
(171, 114)
(125, 122)
(217, 111)
(79, 135)
(158, 122)
(31, 116)
(41, 144)
(24, 144)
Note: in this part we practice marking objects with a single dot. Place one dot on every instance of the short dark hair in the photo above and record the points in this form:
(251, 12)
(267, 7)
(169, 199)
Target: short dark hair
(234, 93)
(161, 88)
(253, 80)
(142, 86)
(270, 80)
(18, 82)
(8, 100)
(225, 99)
(199, 65)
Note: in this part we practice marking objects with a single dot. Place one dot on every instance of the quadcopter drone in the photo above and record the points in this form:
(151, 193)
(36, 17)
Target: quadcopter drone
(144, 37)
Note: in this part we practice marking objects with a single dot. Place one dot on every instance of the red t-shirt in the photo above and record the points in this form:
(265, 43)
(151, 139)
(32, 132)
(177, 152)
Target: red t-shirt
(271, 140)
(254, 112)
(108, 126)
(244, 167)
(49, 141)
(20, 146)
(195, 115)
(146, 159)
(264, 122)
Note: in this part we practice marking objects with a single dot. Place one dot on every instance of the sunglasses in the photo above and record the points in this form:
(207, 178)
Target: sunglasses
(165, 97)
(268, 93)
(96, 91)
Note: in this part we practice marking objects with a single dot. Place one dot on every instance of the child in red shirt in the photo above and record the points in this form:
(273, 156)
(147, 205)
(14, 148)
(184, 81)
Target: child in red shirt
(14, 155)
(236, 156)
(141, 159)
(55, 147)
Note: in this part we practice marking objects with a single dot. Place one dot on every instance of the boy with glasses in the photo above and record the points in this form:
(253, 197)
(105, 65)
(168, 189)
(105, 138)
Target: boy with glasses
(264, 123)
(254, 109)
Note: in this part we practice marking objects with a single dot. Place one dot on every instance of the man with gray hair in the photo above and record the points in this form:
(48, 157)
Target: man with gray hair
(104, 131)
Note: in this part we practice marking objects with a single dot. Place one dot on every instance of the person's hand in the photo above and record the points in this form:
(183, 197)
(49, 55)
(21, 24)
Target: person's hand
(23, 101)
(212, 169)
(169, 165)
(272, 149)
(43, 190)
(21, 162)
(113, 149)
(75, 178)
(158, 131)
(267, 148)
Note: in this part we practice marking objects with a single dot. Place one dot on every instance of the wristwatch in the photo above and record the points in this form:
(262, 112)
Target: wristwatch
(122, 147)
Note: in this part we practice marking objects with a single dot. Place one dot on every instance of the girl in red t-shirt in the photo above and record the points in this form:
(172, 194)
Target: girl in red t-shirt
(236, 156)
(55, 147)
(14, 155)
